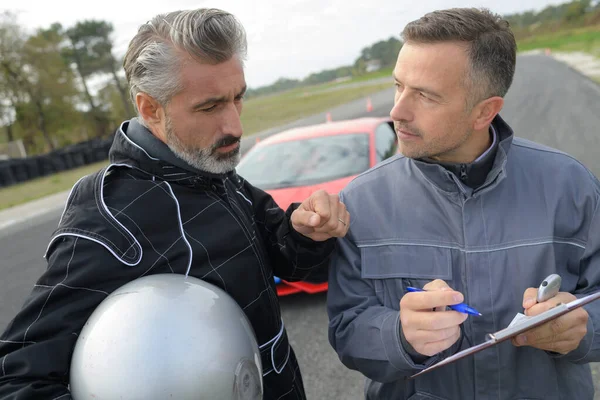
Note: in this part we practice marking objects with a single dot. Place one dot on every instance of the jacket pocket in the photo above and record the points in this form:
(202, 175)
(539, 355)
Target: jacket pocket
(394, 267)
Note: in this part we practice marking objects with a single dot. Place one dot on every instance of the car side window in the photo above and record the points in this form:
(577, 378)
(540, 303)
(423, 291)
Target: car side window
(386, 142)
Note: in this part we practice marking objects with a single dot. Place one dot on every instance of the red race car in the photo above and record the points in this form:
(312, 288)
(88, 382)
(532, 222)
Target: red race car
(293, 164)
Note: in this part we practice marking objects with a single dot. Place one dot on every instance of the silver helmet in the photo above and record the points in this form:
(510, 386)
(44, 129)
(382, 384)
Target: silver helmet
(167, 336)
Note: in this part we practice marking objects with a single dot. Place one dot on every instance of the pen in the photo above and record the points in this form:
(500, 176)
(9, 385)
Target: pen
(462, 307)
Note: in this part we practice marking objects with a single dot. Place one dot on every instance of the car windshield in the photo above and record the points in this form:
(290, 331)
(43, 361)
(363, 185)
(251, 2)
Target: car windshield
(306, 162)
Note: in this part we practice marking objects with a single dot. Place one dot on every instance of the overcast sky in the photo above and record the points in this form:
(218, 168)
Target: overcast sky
(286, 38)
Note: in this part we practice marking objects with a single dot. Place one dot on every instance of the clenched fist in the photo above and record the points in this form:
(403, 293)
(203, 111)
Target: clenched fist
(426, 324)
(321, 217)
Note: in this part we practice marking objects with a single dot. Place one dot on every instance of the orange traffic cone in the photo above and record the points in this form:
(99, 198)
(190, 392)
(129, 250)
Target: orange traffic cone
(369, 105)
(328, 117)
(257, 139)
(547, 52)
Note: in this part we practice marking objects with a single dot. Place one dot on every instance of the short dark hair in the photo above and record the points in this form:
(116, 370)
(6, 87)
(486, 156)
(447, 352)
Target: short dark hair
(491, 45)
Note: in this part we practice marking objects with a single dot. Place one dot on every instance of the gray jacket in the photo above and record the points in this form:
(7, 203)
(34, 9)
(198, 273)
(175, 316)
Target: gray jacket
(412, 222)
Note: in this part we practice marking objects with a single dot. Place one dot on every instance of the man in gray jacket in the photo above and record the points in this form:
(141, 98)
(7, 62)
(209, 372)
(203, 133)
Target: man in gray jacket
(469, 213)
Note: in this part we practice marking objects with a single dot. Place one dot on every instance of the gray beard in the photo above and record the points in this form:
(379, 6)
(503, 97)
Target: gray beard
(206, 159)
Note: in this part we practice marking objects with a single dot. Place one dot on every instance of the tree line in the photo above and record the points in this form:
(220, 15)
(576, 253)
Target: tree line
(45, 95)
(383, 53)
(577, 13)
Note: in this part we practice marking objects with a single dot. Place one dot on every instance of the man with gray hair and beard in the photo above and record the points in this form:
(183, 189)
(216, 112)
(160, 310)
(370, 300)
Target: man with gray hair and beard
(170, 201)
(468, 212)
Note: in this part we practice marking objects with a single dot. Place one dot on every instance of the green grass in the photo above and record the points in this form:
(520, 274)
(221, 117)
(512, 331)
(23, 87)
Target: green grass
(371, 76)
(582, 39)
(262, 113)
(383, 73)
(37, 188)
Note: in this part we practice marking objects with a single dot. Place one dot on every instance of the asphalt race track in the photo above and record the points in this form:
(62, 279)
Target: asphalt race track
(548, 102)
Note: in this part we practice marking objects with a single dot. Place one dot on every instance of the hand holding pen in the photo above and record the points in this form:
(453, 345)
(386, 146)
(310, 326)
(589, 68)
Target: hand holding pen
(427, 331)
(461, 307)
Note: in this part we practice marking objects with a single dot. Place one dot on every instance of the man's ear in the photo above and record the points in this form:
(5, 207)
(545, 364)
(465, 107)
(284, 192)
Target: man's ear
(148, 108)
(486, 111)
(153, 114)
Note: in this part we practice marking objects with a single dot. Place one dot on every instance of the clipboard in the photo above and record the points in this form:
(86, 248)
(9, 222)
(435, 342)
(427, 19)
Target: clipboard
(516, 327)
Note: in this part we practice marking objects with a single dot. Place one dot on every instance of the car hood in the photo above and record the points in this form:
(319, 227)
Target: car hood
(285, 196)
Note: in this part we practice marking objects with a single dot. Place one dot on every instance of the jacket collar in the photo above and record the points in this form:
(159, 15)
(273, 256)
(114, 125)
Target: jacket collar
(135, 145)
(473, 174)
(449, 182)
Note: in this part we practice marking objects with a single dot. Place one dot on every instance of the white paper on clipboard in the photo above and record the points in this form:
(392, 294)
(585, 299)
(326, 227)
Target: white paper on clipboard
(517, 326)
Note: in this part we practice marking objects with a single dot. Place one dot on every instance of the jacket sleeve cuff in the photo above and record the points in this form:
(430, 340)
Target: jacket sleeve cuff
(397, 354)
(417, 357)
(297, 236)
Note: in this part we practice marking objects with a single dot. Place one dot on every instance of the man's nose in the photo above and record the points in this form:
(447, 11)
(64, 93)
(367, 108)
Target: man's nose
(231, 122)
(402, 109)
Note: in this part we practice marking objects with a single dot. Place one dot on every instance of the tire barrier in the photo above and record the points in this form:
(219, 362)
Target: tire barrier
(17, 170)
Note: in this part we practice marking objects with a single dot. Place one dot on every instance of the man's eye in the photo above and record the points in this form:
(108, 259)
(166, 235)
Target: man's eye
(210, 108)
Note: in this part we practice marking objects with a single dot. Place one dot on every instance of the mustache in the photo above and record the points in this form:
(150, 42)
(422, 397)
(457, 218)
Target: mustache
(226, 141)
(404, 127)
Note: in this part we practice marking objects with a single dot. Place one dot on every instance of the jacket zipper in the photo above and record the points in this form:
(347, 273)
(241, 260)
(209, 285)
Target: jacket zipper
(463, 274)
(463, 173)
(241, 216)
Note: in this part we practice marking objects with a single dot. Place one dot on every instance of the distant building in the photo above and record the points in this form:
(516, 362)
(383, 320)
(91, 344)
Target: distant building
(342, 79)
(373, 65)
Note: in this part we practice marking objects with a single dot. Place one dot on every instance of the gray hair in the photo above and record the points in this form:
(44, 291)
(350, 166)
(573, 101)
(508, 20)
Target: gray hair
(491, 46)
(153, 58)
